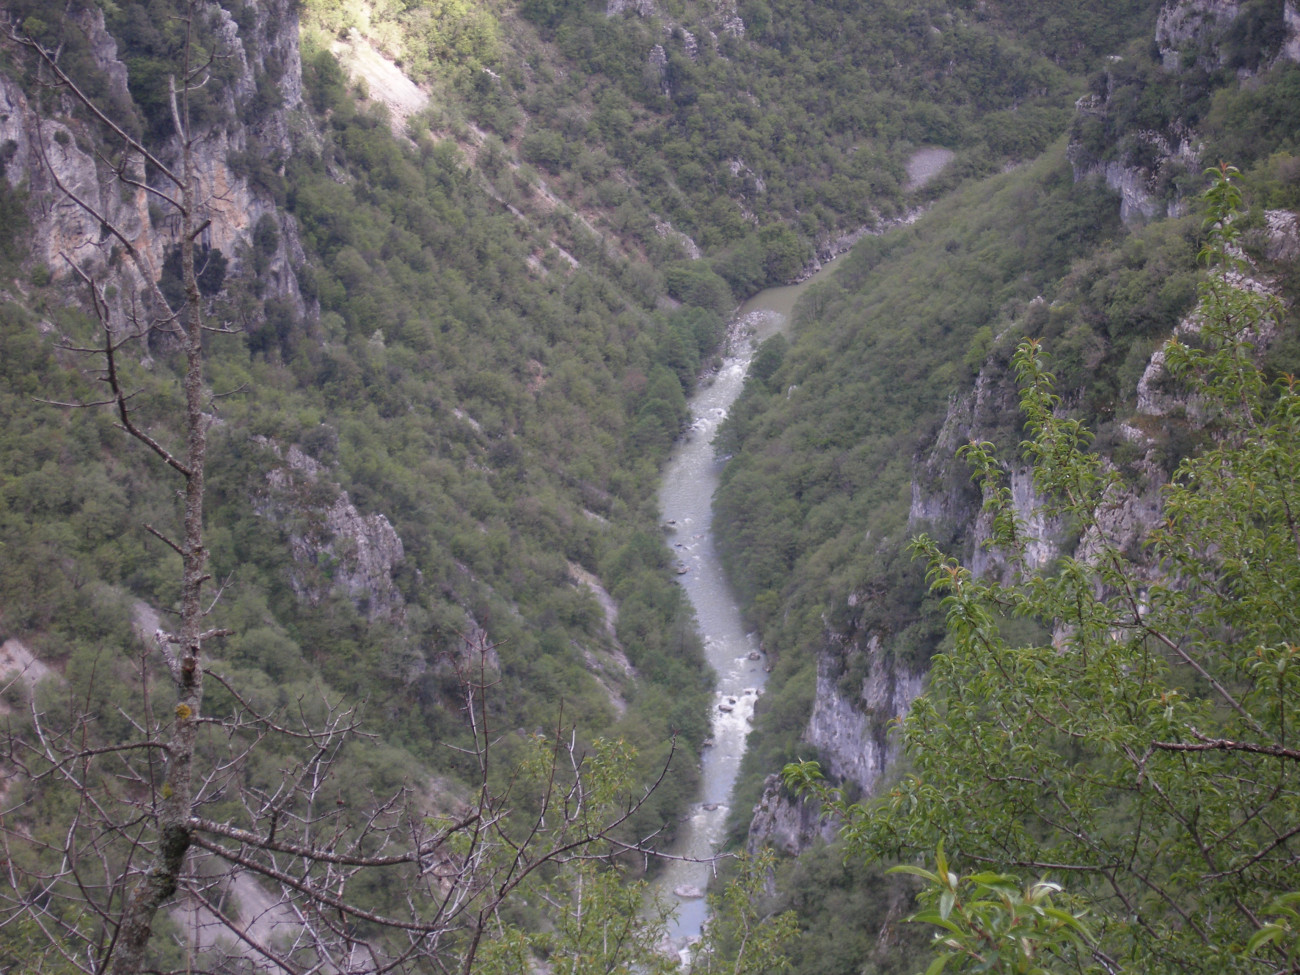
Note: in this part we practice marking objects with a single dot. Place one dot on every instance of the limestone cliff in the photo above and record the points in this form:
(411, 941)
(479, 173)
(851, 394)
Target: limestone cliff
(335, 548)
(1144, 153)
(860, 687)
(72, 191)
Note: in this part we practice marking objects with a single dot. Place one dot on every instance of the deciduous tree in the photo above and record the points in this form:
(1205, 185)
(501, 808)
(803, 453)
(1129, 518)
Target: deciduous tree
(240, 812)
(1144, 757)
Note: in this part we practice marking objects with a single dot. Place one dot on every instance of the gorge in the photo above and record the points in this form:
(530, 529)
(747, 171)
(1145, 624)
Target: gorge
(686, 500)
(458, 380)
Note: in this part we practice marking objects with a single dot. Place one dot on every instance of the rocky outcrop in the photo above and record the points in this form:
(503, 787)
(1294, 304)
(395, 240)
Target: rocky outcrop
(1154, 399)
(65, 186)
(849, 732)
(942, 494)
(335, 548)
(850, 727)
(1041, 532)
(642, 8)
(1291, 46)
(785, 822)
(1188, 33)
(657, 64)
(19, 667)
(1138, 185)
(1283, 240)
(1191, 24)
(52, 155)
(1192, 36)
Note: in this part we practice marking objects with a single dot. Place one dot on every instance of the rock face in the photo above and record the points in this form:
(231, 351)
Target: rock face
(1291, 46)
(264, 91)
(642, 8)
(335, 548)
(1283, 235)
(850, 733)
(785, 823)
(1137, 184)
(851, 728)
(849, 724)
(657, 63)
(1189, 31)
(1191, 23)
(1189, 37)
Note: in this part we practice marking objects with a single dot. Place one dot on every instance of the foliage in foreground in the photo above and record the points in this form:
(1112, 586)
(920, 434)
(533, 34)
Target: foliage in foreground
(1144, 755)
(989, 921)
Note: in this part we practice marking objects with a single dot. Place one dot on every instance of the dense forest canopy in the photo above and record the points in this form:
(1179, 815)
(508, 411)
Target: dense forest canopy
(452, 346)
(1140, 756)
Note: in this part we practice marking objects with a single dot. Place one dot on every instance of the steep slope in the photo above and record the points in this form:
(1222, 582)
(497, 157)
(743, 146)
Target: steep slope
(459, 341)
(762, 132)
(433, 437)
(845, 447)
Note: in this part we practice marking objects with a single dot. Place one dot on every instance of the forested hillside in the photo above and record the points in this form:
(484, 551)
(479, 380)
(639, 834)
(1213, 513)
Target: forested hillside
(843, 448)
(446, 346)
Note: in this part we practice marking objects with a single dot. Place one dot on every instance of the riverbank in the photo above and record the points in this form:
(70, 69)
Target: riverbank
(686, 510)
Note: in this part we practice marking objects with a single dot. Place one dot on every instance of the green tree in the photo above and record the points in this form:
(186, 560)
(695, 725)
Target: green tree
(744, 937)
(1145, 756)
(988, 922)
(131, 804)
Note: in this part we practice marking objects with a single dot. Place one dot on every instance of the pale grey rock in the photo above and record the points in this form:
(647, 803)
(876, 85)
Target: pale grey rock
(1192, 28)
(786, 823)
(1136, 185)
(18, 665)
(1040, 532)
(657, 62)
(740, 169)
(850, 731)
(46, 154)
(335, 548)
(666, 230)
(1291, 46)
(1133, 187)
(1153, 399)
(474, 651)
(385, 81)
(1283, 235)
(642, 8)
(45, 157)
(942, 494)
(733, 27)
(1191, 23)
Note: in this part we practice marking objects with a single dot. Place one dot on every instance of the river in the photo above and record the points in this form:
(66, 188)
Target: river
(685, 500)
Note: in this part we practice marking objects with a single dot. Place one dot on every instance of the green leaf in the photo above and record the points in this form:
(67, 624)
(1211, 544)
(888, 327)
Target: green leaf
(1265, 935)
(915, 872)
(946, 901)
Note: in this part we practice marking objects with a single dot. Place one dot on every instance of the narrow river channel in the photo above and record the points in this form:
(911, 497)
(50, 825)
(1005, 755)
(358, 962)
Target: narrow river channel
(685, 500)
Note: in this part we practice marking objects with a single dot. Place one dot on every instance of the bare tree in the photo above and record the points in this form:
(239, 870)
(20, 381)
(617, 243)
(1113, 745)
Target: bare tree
(139, 843)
